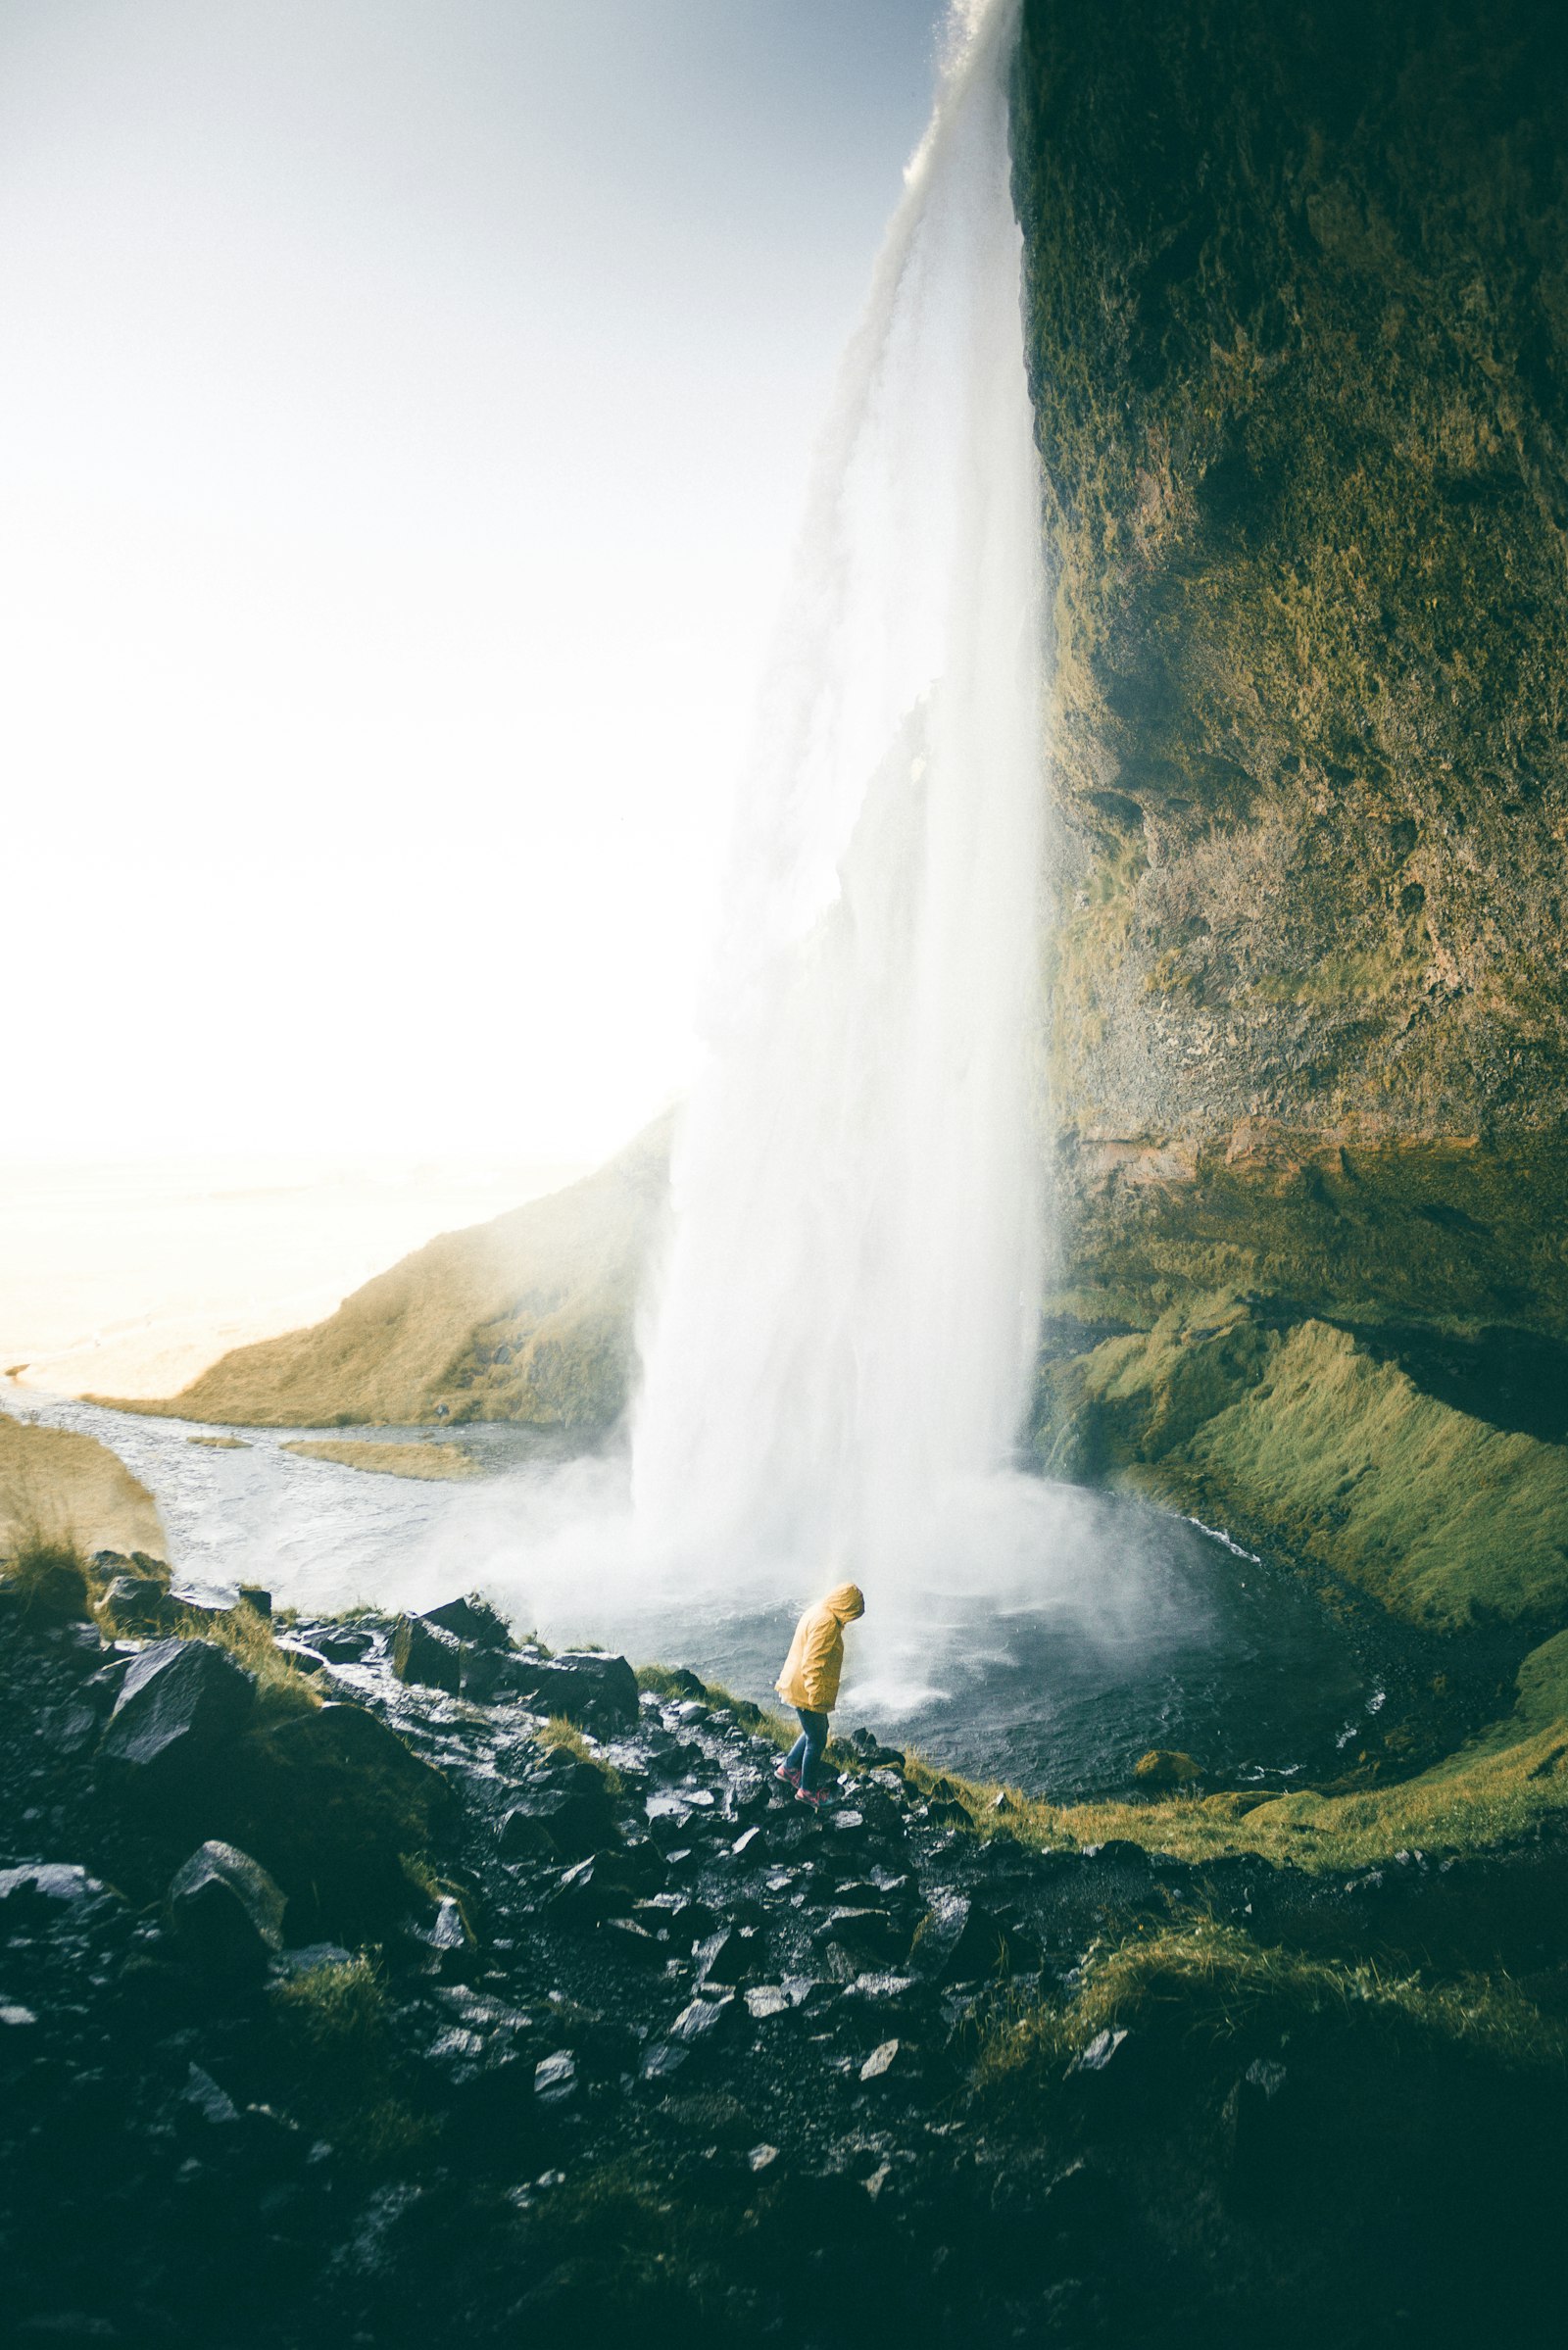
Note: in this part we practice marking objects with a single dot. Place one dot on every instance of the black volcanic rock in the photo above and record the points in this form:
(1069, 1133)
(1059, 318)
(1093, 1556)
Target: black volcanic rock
(427, 1652)
(179, 1701)
(226, 1910)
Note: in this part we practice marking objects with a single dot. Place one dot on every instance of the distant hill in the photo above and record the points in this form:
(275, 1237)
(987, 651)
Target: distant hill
(529, 1318)
(61, 1484)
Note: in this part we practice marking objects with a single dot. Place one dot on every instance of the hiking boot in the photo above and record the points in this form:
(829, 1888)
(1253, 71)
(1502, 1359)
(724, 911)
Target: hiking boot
(811, 1795)
(781, 1770)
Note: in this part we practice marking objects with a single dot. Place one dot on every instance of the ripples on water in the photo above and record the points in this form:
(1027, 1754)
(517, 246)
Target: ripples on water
(1154, 1633)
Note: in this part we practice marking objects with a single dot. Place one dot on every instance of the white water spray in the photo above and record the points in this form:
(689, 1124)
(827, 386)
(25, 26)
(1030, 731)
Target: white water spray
(847, 1327)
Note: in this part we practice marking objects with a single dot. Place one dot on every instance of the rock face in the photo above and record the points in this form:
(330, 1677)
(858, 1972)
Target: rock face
(1299, 340)
(1298, 335)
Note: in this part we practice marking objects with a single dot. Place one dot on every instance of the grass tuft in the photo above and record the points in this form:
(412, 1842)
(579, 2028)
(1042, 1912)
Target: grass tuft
(1206, 1984)
(558, 1732)
(336, 2029)
(281, 1688)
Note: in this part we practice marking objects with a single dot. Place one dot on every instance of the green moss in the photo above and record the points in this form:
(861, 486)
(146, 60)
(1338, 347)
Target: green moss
(335, 2026)
(1305, 1443)
(1206, 1984)
(1297, 346)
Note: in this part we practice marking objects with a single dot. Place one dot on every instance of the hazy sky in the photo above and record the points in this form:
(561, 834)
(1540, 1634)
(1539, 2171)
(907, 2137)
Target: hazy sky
(405, 408)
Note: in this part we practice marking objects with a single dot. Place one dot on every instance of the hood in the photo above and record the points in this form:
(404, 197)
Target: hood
(847, 1601)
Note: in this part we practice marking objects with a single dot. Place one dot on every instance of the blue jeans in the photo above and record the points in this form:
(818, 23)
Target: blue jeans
(807, 1753)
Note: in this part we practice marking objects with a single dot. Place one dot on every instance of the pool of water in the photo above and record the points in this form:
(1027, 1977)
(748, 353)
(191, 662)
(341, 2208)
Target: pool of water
(1110, 1628)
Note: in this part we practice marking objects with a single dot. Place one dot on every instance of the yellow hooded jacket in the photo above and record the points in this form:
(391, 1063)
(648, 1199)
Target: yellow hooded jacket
(810, 1674)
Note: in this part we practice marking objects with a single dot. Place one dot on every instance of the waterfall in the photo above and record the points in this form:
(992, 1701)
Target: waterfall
(846, 1322)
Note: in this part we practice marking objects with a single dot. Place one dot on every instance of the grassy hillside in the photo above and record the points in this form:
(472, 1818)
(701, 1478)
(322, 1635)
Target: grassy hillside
(529, 1318)
(63, 1486)
(1306, 1442)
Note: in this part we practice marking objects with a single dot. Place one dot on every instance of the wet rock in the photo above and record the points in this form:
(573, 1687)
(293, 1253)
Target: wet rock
(226, 1912)
(687, 1920)
(871, 1936)
(765, 2000)
(472, 1618)
(206, 2103)
(956, 1940)
(630, 1940)
(42, 1885)
(178, 1703)
(586, 1686)
(427, 1653)
(525, 1833)
(730, 1956)
(881, 2060)
(592, 1890)
(555, 2079)
(342, 1643)
(307, 1956)
(137, 1604)
(703, 2026)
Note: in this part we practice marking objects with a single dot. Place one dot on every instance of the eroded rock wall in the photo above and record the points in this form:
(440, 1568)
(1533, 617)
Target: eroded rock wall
(1298, 329)
(1299, 340)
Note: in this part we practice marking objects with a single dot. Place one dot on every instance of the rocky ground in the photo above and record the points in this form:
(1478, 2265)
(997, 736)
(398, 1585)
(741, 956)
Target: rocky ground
(416, 2015)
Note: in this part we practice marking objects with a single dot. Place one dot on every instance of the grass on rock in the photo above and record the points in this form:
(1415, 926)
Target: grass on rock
(281, 1688)
(1207, 1984)
(336, 2029)
(564, 1737)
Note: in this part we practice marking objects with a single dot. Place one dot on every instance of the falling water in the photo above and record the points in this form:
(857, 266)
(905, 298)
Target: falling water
(848, 1319)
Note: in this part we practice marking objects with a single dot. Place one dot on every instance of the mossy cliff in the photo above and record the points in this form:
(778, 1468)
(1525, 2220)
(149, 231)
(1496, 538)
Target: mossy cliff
(1297, 308)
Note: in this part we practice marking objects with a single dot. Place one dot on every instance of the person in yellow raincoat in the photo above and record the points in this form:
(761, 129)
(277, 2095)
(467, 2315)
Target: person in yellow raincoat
(810, 1681)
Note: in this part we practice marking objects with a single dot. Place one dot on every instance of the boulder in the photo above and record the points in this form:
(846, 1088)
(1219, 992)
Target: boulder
(1167, 1767)
(226, 1911)
(584, 1686)
(331, 1800)
(137, 1604)
(342, 1643)
(955, 1941)
(427, 1653)
(257, 1599)
(473, 1620)
(178, 1703)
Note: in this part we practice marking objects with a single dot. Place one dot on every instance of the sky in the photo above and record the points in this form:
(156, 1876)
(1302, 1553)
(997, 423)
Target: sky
(405, 414)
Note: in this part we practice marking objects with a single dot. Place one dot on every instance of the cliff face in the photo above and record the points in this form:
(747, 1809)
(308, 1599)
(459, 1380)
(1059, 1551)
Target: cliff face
(1298, 329)
(1299, 340)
